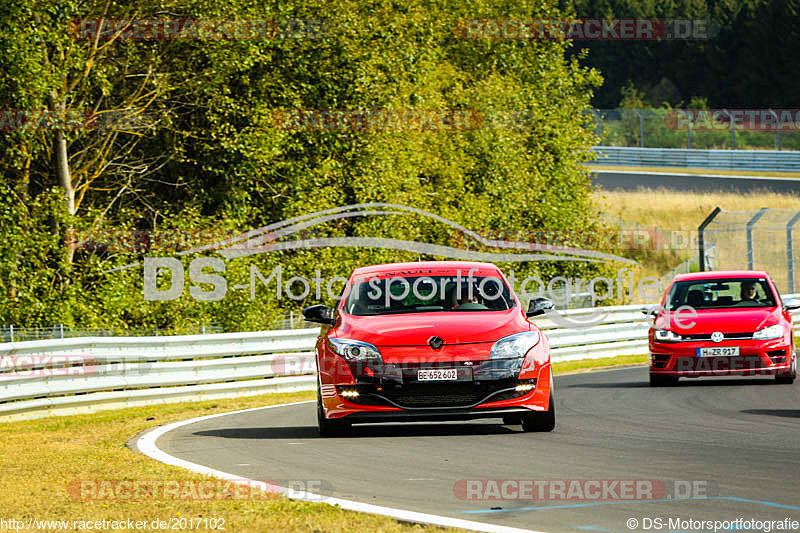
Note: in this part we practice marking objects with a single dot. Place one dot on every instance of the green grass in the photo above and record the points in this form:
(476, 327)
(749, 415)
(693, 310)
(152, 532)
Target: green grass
(585, 365)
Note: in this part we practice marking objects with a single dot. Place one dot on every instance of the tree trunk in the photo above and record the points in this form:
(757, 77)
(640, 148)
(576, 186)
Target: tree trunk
(61, 162)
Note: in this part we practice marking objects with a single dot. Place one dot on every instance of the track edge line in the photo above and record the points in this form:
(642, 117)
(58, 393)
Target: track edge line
(146, 444)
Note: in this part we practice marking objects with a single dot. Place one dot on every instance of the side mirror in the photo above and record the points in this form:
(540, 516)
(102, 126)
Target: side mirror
(539, 306)
(649, 310)
(791, 304)
(319, 314)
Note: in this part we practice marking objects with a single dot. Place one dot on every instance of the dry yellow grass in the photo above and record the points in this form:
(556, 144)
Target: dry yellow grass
(677, 211)
(700, 171)
(673, 210)
(39, 459)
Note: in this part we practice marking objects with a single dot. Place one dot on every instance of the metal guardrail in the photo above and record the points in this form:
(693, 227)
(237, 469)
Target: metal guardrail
(74, 375)
(12, 333)
(78, 375)
(713, 159)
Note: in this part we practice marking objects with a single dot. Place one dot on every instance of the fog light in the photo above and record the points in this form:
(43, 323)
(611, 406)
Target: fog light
(525, 386)
(348, 393)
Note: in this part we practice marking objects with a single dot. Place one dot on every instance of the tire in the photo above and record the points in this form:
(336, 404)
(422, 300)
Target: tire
(512, 420)
(329, 428)
(660, 380)
(788, 379)
(540, 421)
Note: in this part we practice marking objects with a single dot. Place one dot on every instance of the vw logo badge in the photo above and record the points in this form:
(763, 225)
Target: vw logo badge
(717, 336)
(435, 342)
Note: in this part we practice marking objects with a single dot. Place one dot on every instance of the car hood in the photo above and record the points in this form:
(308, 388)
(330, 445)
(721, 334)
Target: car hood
(724, 320)
(415, 329)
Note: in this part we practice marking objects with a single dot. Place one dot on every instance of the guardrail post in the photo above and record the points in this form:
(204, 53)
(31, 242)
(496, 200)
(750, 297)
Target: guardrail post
(701, 245)
(750, 224)
(790, 250)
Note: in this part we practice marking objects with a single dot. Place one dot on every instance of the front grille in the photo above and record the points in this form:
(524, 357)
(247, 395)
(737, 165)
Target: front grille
(440, 394)
(707, 336)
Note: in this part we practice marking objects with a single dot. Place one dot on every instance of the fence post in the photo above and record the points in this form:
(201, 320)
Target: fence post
(777, 129)
(750, 224)
(641, 128)
(733, 131)
(790, 250)
(688, 130)
(701, 245)
(11, 330)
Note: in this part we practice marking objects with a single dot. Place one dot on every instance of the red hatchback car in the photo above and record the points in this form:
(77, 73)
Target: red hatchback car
(722, 323)
(431, 341)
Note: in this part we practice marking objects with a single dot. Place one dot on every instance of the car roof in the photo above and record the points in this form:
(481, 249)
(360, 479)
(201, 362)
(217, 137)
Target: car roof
(444, 265)
(722, 274)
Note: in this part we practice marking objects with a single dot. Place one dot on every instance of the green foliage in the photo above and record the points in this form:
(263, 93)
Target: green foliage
(209, 155)
(747, 63)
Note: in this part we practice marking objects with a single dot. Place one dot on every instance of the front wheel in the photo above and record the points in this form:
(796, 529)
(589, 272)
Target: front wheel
(540, 421)
(329, 428)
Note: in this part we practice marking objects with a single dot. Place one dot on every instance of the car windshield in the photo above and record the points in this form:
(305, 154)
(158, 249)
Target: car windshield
(721, 294)
(423, 294)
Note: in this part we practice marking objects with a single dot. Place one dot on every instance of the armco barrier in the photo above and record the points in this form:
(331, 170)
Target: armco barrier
(134, 371)
(772, 160)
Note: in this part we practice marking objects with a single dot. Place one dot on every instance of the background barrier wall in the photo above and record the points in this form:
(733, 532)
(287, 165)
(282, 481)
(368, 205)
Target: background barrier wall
(80, 375)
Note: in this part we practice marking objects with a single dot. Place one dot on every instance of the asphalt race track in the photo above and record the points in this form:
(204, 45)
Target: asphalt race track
(631, 180)
(737, 440)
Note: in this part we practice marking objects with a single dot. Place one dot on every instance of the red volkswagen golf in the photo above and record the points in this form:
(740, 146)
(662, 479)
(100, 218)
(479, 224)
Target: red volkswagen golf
(431, 341)
(722, 323)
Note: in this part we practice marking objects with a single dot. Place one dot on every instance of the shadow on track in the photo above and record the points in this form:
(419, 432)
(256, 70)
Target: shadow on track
(291, 432)
(684, 383)
(426, 429)
(790, 413)
(610, 385)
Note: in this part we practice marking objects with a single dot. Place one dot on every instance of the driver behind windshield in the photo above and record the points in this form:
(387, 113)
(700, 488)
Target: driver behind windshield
(749, 292)
(469, 301)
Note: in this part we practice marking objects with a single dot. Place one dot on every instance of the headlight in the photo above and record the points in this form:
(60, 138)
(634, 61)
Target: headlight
(770, 332)
(354, 350)
(514, 346)
(665, 335)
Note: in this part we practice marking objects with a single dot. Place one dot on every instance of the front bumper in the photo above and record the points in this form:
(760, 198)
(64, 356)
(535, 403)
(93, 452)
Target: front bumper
(756, 357)
(433, 415)
(482, 389)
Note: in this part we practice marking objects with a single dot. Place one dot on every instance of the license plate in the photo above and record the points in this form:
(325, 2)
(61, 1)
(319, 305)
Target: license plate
(437, 374)
(719, 351)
